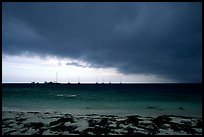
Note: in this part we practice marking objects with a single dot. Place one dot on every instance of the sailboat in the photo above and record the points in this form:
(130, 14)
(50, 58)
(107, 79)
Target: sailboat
(110, 80)
(78, 80)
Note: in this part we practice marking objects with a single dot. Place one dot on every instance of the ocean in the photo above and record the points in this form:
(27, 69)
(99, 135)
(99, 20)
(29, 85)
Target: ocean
(116, 99)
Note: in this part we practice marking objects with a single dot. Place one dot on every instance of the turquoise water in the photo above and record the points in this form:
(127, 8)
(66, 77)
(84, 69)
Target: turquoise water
(109, 100)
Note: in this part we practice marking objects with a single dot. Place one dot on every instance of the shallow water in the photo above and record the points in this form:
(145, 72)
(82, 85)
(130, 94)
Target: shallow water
(106, 99)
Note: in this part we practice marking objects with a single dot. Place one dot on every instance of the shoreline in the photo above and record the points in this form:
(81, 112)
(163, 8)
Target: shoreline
(149, 110)
(58, 123)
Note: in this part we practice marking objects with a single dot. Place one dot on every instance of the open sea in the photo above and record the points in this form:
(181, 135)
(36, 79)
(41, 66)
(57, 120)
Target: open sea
(117, 99)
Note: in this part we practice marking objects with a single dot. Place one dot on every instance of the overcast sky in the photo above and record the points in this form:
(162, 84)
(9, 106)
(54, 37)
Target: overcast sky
(135, 42)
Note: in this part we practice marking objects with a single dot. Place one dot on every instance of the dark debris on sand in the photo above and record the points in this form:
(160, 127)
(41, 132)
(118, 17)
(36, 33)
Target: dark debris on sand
(67, 124)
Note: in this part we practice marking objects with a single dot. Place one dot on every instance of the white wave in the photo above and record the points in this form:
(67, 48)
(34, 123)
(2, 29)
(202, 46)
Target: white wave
(60, 95)
(71, 96)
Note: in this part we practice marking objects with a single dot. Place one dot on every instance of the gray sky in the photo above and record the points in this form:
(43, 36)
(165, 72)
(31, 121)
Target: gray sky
(160, 40)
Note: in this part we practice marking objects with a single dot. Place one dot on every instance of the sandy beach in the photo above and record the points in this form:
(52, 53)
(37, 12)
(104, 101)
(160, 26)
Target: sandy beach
(56, 123)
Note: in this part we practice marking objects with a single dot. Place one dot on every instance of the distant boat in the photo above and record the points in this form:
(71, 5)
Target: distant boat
(110, 80)
(78, 80)
(51, 83)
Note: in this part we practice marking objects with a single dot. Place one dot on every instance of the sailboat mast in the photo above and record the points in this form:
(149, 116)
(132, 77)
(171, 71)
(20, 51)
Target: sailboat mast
(56, 78)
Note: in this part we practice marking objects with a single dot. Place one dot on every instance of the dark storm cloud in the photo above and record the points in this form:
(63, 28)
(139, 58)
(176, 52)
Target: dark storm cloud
(76, 64)
(149, 38)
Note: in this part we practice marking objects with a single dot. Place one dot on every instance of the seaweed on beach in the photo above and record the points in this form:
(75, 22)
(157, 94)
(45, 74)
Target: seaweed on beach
(100, 125)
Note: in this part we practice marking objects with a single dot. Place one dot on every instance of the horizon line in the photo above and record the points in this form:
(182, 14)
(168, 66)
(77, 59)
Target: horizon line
(100, 83)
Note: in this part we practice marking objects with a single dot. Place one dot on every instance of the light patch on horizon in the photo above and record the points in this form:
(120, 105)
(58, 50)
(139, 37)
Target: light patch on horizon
(28, 69)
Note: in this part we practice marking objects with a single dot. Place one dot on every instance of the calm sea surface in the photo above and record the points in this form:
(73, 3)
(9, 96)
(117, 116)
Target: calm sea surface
(120, 99)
